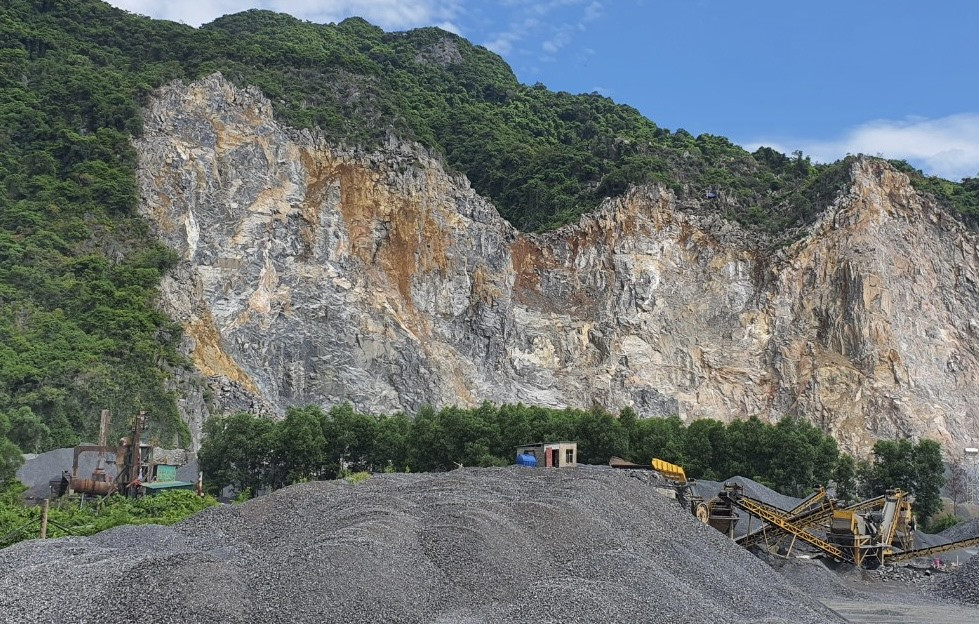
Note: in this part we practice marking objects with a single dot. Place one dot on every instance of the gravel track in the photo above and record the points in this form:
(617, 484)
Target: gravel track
(473, 546)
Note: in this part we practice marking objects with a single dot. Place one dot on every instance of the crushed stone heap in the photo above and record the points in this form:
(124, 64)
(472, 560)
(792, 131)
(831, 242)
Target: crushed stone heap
(472, 545)
(962, 530)
(963, 584)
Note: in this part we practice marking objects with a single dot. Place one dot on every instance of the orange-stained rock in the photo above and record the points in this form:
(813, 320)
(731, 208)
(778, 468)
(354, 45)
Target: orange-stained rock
(314, 273)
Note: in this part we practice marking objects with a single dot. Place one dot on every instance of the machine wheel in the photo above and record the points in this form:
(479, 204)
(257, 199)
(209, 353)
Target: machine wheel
(703, 513)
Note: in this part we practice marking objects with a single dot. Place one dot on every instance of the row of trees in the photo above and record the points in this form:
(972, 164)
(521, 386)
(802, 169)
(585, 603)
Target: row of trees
(791, 456)
(915, 467)
(247, 451)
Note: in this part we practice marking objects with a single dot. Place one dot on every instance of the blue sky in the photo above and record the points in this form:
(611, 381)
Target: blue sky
(895, 78)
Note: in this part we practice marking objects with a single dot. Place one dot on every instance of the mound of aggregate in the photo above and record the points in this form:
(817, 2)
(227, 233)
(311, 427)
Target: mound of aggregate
(815, 577)
(961, 531)
(37, 470)
(469, 546)
(961, 585)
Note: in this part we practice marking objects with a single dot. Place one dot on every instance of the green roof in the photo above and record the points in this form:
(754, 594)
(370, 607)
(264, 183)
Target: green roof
(166, 485)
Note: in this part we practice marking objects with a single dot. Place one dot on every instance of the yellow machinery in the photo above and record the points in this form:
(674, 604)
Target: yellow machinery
(811, 512)
(874, 534)
(868, 533)
(715, 512)
(777, 518)
(671, 472)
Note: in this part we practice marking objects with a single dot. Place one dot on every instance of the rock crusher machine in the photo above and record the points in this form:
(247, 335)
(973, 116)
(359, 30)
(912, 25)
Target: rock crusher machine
(716, 511)
(868, 534)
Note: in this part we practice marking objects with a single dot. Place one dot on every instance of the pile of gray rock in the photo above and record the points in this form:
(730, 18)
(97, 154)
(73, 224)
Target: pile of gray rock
(961, 585)
(472, 545)
(962, 530)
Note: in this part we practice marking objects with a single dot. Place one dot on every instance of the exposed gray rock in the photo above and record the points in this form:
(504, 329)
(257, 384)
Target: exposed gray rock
(444, 53)
(313, 273)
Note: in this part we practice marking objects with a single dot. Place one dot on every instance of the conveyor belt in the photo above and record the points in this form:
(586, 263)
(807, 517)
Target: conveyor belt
(763, 511)
(932, 550)
(805, 518)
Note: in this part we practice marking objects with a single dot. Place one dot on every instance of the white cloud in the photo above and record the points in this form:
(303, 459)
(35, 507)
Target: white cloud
(503, 42)
(558, 40)
(531, 19)
(388, 14)
(944, 146)
(593, 11)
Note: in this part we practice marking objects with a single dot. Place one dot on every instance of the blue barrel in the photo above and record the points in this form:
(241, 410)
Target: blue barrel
(526, 459)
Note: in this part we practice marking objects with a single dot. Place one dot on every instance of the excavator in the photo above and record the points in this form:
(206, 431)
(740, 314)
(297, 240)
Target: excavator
(868, 534)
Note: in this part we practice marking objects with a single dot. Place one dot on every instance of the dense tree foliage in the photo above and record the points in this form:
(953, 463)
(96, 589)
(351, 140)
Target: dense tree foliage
(915, 467)
(252, 453)
(10, 456)
(792, 456)
(79, 270)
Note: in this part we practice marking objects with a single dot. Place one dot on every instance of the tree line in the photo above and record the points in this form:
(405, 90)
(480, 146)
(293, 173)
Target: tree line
(252, 453)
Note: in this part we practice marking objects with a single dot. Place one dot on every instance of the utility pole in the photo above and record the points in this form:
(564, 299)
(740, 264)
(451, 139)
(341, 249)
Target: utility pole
(44, 518)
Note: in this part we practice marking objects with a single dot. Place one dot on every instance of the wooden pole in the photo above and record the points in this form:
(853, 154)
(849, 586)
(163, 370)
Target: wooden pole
(44, 518)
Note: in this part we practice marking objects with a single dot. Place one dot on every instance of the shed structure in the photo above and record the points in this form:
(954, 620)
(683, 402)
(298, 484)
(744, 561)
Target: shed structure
(552, 454)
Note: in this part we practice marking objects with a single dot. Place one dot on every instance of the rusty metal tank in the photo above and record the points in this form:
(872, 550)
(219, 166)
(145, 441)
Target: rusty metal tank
(91, 486)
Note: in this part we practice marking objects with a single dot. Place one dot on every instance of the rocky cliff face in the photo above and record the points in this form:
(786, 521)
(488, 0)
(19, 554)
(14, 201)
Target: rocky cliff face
(313, 273)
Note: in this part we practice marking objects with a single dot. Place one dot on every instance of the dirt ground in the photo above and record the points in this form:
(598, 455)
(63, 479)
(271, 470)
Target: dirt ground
(896, 602)
(884, 611)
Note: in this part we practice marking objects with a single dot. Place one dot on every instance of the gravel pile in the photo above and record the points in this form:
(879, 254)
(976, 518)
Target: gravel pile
(473, 545)
(814, 576)
(961, 531)
(37, 470)
(961, 585)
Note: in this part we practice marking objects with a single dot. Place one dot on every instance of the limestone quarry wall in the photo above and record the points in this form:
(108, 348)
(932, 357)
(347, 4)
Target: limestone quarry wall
(315, 273)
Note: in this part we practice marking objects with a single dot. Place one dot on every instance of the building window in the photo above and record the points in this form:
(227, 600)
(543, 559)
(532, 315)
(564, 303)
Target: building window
(569, 456)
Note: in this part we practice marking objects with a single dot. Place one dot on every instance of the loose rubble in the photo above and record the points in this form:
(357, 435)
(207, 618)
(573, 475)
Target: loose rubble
(472, 545)
(961, 585)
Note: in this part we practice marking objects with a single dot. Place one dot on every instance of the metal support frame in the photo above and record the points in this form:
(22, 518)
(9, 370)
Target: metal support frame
(765, 512)
(933, 550)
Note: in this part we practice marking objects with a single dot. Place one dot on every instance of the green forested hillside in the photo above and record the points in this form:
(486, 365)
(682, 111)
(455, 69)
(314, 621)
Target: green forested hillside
(79, 270)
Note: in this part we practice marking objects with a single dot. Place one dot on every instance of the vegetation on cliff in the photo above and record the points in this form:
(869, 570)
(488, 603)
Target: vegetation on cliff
(79, 269)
